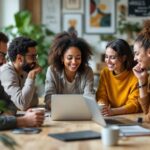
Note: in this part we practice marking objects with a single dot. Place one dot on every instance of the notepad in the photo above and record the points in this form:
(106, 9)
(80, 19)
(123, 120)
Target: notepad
(134, 131)
(75, 136)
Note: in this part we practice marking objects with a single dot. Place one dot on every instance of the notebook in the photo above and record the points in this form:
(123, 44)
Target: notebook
(77, 135)
(134, 131)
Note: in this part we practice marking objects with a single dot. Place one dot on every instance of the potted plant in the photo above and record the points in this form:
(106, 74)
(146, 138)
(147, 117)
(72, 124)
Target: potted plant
(24, 27)
(5, 139)
(125, 26)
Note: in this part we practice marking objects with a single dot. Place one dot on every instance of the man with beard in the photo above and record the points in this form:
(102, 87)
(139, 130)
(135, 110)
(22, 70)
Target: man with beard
(18, 75)
(3, 48)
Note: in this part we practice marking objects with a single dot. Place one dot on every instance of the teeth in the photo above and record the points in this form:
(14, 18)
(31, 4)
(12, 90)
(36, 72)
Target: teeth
(110, 65)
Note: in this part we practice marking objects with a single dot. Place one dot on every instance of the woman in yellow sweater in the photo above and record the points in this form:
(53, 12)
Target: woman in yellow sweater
(118, 86)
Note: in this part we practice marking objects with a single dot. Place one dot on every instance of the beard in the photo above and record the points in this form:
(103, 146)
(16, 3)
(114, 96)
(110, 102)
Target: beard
(27, 67)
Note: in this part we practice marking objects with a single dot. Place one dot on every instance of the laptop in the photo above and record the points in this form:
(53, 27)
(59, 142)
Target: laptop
(78, 107)
(69, 107)
(104, 121)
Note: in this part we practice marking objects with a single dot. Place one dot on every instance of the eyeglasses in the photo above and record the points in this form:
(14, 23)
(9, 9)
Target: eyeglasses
(32, 56)
(2, 53)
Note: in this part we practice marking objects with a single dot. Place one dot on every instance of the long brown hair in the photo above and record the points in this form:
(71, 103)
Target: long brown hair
(123, 49)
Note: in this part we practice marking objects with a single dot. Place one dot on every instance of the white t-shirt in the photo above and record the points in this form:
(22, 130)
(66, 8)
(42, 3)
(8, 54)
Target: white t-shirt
(69, 86)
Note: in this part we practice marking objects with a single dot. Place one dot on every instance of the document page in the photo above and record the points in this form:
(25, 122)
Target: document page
(135, 130)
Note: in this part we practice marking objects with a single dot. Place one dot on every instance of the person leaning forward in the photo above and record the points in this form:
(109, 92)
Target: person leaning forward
(18, 75)
(142, 69)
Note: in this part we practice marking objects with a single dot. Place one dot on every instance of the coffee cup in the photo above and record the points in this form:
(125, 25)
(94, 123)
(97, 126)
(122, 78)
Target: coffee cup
(110, 135)
(101, 106)
(38, 109)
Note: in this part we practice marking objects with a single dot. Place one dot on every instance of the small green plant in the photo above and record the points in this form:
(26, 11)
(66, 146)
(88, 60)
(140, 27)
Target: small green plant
(24, 27)
(5, 139)
(2, 106)
(107, 37)
(8, 141)
(125, 26)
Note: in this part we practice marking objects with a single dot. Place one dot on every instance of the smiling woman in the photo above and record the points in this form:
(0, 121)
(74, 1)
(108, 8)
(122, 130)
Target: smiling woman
(68, 72)
(118, 94)
(142, 69)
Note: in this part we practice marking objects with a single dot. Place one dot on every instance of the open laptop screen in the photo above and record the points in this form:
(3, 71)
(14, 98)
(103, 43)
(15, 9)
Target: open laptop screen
(69, 107)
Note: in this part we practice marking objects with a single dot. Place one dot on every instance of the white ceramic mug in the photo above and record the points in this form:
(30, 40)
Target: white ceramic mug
(110, 135)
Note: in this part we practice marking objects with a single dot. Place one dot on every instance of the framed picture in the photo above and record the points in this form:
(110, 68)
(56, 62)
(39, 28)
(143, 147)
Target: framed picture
(138, 8)
(73, 23)
(74, 6)
(51, 15)
(100, 16)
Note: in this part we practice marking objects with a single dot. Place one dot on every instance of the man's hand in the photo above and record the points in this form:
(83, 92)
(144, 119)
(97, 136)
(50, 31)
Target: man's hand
(34, 72)
(31, 119)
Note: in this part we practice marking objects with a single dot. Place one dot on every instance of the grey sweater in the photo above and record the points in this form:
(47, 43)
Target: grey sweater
(21, 89)
(55, 83)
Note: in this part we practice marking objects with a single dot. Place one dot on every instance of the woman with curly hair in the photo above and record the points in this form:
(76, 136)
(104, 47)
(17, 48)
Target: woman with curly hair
(68, 72)
(142, 69)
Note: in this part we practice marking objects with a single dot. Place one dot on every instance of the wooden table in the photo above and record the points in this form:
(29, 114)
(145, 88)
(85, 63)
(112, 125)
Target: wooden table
(42, 141)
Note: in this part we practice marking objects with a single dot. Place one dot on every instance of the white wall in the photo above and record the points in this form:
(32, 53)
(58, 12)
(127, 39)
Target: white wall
(7, 10)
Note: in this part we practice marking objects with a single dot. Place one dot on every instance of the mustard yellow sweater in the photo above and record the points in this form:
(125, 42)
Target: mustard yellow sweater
(118, 90)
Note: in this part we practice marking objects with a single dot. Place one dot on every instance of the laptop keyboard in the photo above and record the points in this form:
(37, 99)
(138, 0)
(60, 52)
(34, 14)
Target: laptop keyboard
(122, 121)
(112, 121)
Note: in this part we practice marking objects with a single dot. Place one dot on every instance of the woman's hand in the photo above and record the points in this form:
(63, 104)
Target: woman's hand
(107, 111)
(141, 74)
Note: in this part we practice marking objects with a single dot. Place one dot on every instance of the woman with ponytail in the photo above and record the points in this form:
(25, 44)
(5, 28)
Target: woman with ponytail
(142, 69)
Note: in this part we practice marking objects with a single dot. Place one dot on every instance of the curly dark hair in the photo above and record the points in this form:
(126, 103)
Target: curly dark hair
(123, 49)
(61, 43)
(3, 38)
(20, 45)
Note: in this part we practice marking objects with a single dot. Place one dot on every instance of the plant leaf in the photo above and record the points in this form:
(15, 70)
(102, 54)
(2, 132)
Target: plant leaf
(8, 141)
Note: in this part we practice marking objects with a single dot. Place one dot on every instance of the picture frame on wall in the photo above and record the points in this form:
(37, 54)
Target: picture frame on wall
(51, 15)
(72, 23)
(100, 16)
(73, 6)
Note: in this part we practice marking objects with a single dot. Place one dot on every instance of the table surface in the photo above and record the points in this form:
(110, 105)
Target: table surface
(42, 141)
